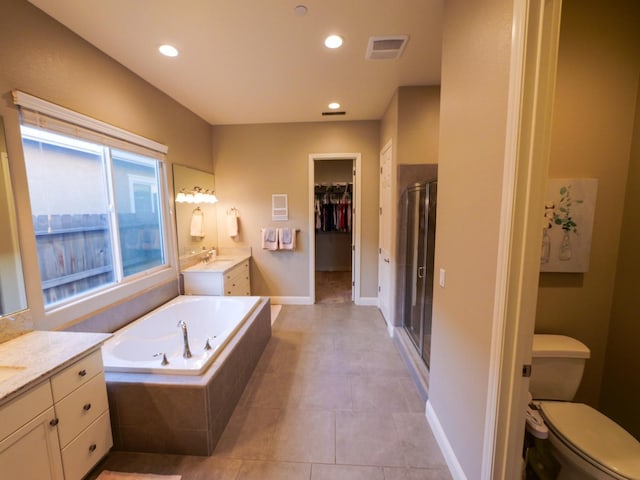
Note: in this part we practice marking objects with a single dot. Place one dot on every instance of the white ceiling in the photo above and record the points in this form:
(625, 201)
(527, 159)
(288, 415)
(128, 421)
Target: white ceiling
(256, 61)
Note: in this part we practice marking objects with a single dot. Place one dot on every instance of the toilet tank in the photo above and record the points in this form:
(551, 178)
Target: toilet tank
(557, 366)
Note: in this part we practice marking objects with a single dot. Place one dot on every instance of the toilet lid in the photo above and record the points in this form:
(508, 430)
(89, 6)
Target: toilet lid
(595, 436)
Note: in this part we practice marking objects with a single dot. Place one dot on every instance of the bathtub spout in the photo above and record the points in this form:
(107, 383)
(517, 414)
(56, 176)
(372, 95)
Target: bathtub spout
(185, 337)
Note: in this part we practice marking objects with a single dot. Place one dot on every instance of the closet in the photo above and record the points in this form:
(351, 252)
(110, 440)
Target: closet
(333, 207)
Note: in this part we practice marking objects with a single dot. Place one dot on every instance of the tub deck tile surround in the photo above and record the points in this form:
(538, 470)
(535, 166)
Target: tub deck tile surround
(185, 414)
(317, 407)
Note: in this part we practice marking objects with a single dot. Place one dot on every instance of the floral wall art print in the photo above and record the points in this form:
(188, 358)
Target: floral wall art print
(568, 224)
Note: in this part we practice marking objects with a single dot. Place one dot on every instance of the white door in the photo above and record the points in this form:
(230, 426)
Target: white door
(385, 272)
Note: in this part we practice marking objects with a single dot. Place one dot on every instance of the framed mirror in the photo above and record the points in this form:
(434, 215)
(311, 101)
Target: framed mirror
(196, 217)
(12, 291)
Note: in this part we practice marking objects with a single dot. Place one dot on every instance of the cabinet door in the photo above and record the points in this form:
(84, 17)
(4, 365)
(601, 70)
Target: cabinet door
(33, 450)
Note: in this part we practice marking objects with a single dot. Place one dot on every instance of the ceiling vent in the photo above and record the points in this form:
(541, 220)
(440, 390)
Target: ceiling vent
(386, 47)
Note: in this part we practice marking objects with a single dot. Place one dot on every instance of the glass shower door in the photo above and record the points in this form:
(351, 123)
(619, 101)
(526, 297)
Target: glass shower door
(414, 272)
(421, 219)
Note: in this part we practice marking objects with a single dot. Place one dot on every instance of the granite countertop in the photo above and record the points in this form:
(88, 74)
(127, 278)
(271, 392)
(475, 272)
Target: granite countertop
(34, 356)
(221, 264)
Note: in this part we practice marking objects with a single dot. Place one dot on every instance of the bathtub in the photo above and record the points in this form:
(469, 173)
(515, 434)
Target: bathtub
(154, 343)
(183, 407)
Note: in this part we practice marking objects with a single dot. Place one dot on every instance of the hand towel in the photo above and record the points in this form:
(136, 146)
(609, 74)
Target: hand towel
(232, 223)
(287, 238)
(269, 239)
(197, 223)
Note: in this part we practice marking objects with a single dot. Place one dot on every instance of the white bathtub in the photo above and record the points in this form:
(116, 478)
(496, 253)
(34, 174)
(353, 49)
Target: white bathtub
(139, 347)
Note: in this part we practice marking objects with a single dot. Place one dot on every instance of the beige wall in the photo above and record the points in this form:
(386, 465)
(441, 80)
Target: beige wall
(475, 85)
(620, 394)
(252, 162)
(411, 121)
(597, 84)
(43, 58)
(418, 124)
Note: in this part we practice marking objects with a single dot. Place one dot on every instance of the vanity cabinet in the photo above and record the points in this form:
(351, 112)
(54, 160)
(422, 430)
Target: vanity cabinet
(29, 446)
(80, 401)
(234, 281)
(60, 429)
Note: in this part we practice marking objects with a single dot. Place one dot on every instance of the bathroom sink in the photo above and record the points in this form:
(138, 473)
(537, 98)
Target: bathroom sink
(7, 372)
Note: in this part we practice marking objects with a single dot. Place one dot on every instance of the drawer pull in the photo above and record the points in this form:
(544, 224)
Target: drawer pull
(92, 447)
(86, 407)
(54, 422)
(82, 373)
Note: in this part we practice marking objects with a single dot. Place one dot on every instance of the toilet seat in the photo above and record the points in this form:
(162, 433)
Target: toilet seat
(594, 437)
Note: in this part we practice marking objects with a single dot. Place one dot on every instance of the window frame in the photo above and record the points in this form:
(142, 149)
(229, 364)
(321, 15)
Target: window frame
(87, 304)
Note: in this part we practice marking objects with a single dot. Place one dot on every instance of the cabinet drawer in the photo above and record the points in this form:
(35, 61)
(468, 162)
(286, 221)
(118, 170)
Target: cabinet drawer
(87, 449)
(18, 412)
(79, 409)
(238, 270)
(76, 375)
(239, 287)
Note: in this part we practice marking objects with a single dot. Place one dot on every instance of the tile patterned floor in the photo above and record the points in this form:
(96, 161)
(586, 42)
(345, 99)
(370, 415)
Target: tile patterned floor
(329, 399)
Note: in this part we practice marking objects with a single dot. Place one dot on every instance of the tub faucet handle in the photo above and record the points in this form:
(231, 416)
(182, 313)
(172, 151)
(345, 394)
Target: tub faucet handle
(207, 345)
(164, 358)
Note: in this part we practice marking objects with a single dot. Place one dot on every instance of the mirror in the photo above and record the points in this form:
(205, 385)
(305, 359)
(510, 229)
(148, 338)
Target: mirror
(196, 223)
(12, 293)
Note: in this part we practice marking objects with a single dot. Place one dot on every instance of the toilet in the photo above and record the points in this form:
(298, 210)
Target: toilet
(586, 443)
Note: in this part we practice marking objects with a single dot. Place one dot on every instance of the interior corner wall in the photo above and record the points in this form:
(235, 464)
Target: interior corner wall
(255, 161)
(620, 395)
(473, 117)
(595, 103)
(42, 57)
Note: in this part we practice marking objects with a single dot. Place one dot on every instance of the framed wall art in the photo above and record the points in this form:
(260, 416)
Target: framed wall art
(568, 224)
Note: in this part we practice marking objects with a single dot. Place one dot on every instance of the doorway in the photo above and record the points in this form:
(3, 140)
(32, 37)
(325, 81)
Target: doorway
(334, 215)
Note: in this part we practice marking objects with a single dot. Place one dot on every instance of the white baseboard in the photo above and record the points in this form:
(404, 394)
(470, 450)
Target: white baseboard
(367, 301)
(443, 442)
(291, 300)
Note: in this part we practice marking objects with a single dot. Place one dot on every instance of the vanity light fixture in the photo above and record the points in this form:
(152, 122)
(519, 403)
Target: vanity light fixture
(168, 50)
(197, 195)
(333, 41)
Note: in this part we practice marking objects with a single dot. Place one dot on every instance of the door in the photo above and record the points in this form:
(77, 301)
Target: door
(351, 259)
(415, 265)
(385, 273)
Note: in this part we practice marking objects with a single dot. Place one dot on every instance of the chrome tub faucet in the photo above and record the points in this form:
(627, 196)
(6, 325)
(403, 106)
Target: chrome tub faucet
(187, 350)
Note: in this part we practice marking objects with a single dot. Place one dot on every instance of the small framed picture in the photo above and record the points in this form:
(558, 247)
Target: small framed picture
(279, 207)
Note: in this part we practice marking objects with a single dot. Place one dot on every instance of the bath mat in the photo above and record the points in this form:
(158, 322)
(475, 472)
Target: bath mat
(108, 475)
(275, 310)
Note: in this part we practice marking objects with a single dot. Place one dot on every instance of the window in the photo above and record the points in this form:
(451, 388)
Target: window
(98, 209)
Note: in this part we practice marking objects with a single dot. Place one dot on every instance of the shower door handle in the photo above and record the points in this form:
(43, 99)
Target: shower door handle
(420, 272)
(386, 260)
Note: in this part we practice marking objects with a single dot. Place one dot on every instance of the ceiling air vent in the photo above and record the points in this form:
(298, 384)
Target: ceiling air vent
(386, 47)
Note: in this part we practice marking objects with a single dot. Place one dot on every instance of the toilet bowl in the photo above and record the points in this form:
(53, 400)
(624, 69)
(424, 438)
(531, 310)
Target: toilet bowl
(587, 444)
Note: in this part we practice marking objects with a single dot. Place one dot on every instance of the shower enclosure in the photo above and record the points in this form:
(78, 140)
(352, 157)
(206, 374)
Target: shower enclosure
(419, 201)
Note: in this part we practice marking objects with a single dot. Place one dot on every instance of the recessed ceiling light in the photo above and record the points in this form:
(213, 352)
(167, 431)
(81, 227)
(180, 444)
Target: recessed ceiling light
(168, 50)
(333, 41)
(301, 10)
(334, 105)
